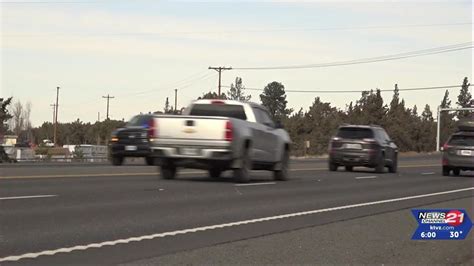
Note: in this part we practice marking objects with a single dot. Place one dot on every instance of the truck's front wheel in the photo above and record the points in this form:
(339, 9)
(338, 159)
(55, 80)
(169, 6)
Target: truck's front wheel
(282, 174)
(242, 174)
(168, 171)
(117, 160)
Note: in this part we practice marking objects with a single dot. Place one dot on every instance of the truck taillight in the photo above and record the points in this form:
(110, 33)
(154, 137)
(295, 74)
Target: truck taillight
(217, 102)
(229, 134)
(152, 128)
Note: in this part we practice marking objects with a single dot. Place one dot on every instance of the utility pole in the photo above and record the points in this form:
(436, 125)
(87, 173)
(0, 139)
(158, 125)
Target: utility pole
(56, 117)
(98, 116)
(54, 113)
(175, 100)
(108, 97)
(219, 69)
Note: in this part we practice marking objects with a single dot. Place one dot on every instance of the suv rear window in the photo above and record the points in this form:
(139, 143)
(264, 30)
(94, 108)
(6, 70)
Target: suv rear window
(355, 133)
(225, 110)
(462, 140)
(139, 121)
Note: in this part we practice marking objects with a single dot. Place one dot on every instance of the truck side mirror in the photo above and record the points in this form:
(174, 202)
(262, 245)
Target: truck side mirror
(278, 124)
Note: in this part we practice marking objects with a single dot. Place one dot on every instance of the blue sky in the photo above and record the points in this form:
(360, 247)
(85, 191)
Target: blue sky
(140, 51)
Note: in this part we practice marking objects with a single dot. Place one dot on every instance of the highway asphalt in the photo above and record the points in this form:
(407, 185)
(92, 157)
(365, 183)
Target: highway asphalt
(101, 214)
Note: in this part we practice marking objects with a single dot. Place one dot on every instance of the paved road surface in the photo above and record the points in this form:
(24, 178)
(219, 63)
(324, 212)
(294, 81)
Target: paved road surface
(99, 214)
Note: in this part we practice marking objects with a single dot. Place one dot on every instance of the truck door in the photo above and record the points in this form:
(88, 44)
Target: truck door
(269, 140)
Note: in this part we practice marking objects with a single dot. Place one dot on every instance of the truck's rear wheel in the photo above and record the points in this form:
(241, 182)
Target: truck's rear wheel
(282, 174)
(242, 174)
(456, 171)
(215, 172)
(168, 171)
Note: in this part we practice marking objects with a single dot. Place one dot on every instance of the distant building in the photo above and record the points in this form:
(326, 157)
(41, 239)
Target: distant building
(9, 140)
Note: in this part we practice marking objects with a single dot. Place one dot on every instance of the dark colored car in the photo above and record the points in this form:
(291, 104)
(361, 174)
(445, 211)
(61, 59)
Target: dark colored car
(458, 152)
(357, 145)
(132, 140)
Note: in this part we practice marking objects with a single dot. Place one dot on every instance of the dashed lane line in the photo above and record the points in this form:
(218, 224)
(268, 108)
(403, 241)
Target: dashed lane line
(156, 173)
(28, 197)
(366, 177)
(255, 184)
(52, 252)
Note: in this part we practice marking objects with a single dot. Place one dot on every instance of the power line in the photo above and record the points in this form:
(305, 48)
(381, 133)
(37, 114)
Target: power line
(424, 52)
(186, 82)
(234, 31)
(359, 91)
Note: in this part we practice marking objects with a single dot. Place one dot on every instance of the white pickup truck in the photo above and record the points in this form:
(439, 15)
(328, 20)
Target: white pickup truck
(220, 135)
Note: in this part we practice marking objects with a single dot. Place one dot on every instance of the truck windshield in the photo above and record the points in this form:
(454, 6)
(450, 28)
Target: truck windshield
(355, 133)
(462, 140)
(139, 121)
(225, 110)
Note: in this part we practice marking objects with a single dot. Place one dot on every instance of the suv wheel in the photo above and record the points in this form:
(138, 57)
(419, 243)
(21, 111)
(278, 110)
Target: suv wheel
(117, 160)
(446, 171)
(393, 168)
(333, 167)
(456, 171)
(349, 168)
(282, 174)
(380, 165)
(242, 174)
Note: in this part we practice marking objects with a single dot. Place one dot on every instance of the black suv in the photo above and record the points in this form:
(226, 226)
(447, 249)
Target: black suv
(458, 152)
(357, 145)
(132, 140)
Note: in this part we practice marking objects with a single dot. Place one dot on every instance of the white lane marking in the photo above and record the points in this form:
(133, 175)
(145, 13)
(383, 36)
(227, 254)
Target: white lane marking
(255, 184)
(218, 226)
(366, 177)
(28, 197)
(430, 173)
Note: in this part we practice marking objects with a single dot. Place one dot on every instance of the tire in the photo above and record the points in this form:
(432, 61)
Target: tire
(283, 173)
(446, 171)
(393, 168)
(456, 171)
(168, 171)
(242, 174)
(380, 168)
(150, 160)
(349, 168)
(215, 172)
(117, 160)
(333, 167)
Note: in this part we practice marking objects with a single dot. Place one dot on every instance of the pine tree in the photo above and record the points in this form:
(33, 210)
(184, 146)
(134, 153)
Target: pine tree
(447, 124)
(236, 92)
(274, 99)
(464, 99)
(4, 115)
(167, 109)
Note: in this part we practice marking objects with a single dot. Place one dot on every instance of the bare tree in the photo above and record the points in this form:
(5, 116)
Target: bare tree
(17, 122)
(27, 122)
(20, 122)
